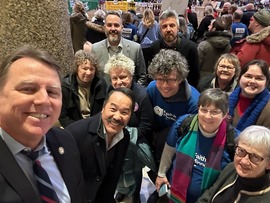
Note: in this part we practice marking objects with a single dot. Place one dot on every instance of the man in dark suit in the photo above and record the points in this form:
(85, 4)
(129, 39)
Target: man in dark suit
(30, 100)
(103, 142)
(115, 44)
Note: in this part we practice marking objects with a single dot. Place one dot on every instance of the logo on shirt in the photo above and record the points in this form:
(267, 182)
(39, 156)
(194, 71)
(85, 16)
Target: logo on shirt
(162, 113)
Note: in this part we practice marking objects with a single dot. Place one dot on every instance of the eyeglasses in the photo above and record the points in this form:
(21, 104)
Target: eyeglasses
(212, 113)
(254, 158)
(169, 81)
(223, 67)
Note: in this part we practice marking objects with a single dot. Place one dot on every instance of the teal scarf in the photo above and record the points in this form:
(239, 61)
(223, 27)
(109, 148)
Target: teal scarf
(185, 153)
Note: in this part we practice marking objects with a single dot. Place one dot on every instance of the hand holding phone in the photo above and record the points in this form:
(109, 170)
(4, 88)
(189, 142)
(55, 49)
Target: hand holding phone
(163, 190)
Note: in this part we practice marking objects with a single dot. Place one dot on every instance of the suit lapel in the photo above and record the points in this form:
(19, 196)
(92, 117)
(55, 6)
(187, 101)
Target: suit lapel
(15, 176)
(98, 143)
(100, 156)
(126, 48)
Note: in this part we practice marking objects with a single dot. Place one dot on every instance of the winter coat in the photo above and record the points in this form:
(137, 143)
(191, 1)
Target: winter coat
(226, 179)
(78, 29)
(256, 46)
(95, 31)
(209, 50)
(71, 110)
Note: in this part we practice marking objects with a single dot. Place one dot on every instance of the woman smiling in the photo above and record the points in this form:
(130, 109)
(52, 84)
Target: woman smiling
(247, 179)
(249, 104)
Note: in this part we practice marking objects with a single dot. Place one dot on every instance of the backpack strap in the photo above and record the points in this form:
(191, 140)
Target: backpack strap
(230, 144)
(184, 127)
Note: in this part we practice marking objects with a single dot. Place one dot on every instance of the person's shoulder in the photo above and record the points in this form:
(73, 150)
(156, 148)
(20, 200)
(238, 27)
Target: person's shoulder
(151, 85)
(188, 43)
(137, 88)
(83, 124)
(99, 44)
(130, 43)
(58, 134)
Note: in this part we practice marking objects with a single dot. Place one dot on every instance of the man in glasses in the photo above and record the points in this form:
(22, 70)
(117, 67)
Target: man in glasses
(171, 96)
(247, 178)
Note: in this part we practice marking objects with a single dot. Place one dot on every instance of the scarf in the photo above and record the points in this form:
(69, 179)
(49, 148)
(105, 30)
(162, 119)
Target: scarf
(252, 113)
(185, 153)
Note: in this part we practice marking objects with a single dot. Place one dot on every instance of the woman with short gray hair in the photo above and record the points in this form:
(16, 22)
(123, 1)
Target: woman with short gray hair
(247, 179)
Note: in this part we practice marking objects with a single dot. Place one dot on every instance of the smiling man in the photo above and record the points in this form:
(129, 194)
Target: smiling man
(170, 94)
(30, 105)
(103, 142)
(115, 44)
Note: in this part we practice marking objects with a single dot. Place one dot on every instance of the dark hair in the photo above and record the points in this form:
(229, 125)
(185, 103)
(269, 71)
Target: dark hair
(216, 97)
(127, 17)
(220, 24)
(27, 51)
(125, 91)
(261, 63)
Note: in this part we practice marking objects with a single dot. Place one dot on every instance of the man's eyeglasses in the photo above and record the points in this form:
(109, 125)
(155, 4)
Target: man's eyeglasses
(223, 67)
(169, 81)
(254, 158)
(212, 113)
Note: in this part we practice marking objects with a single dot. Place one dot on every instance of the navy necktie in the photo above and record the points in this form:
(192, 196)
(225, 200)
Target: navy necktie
(46, 191)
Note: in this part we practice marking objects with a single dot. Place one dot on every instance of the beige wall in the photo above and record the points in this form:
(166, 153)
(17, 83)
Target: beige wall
(38, 22)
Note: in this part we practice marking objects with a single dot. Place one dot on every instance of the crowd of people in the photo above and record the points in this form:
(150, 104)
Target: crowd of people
(191, 105)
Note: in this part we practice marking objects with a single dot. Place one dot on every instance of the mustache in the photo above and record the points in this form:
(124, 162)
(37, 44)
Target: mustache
(113, 32)
(116, 121)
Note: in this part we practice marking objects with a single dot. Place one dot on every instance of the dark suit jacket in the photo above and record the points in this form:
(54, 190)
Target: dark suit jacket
(101, 176)
(15, 186)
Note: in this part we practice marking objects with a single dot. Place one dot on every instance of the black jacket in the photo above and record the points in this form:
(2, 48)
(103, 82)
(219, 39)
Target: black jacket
(15, 186)
(189, 50)
(101, 173)
(70, 99)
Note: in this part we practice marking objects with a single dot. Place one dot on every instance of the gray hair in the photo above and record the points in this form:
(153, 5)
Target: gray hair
(166, 61)
(208, 10)
(120, 61)
(82, 56)
(116, 13)
(257, 137)
(169, 13)
(216, 97)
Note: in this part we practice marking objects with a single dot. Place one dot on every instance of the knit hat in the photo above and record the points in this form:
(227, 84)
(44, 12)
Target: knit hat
(263, 17)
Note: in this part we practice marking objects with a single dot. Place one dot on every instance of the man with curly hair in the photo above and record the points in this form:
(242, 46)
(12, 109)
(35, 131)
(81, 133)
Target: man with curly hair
(171, 96)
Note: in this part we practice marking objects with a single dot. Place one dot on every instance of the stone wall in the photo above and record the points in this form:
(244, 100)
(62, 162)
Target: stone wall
(42, 23)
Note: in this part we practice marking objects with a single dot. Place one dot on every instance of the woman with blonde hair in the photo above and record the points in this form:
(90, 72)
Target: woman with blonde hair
(225, 75)
(148, 31)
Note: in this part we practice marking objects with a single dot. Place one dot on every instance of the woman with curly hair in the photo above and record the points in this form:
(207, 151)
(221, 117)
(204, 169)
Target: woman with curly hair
(83, 91)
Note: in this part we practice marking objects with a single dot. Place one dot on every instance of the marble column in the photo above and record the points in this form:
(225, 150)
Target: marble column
(42, 23)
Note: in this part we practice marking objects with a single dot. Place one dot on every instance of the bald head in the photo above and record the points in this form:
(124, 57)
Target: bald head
(249, 6)
(237, 15)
